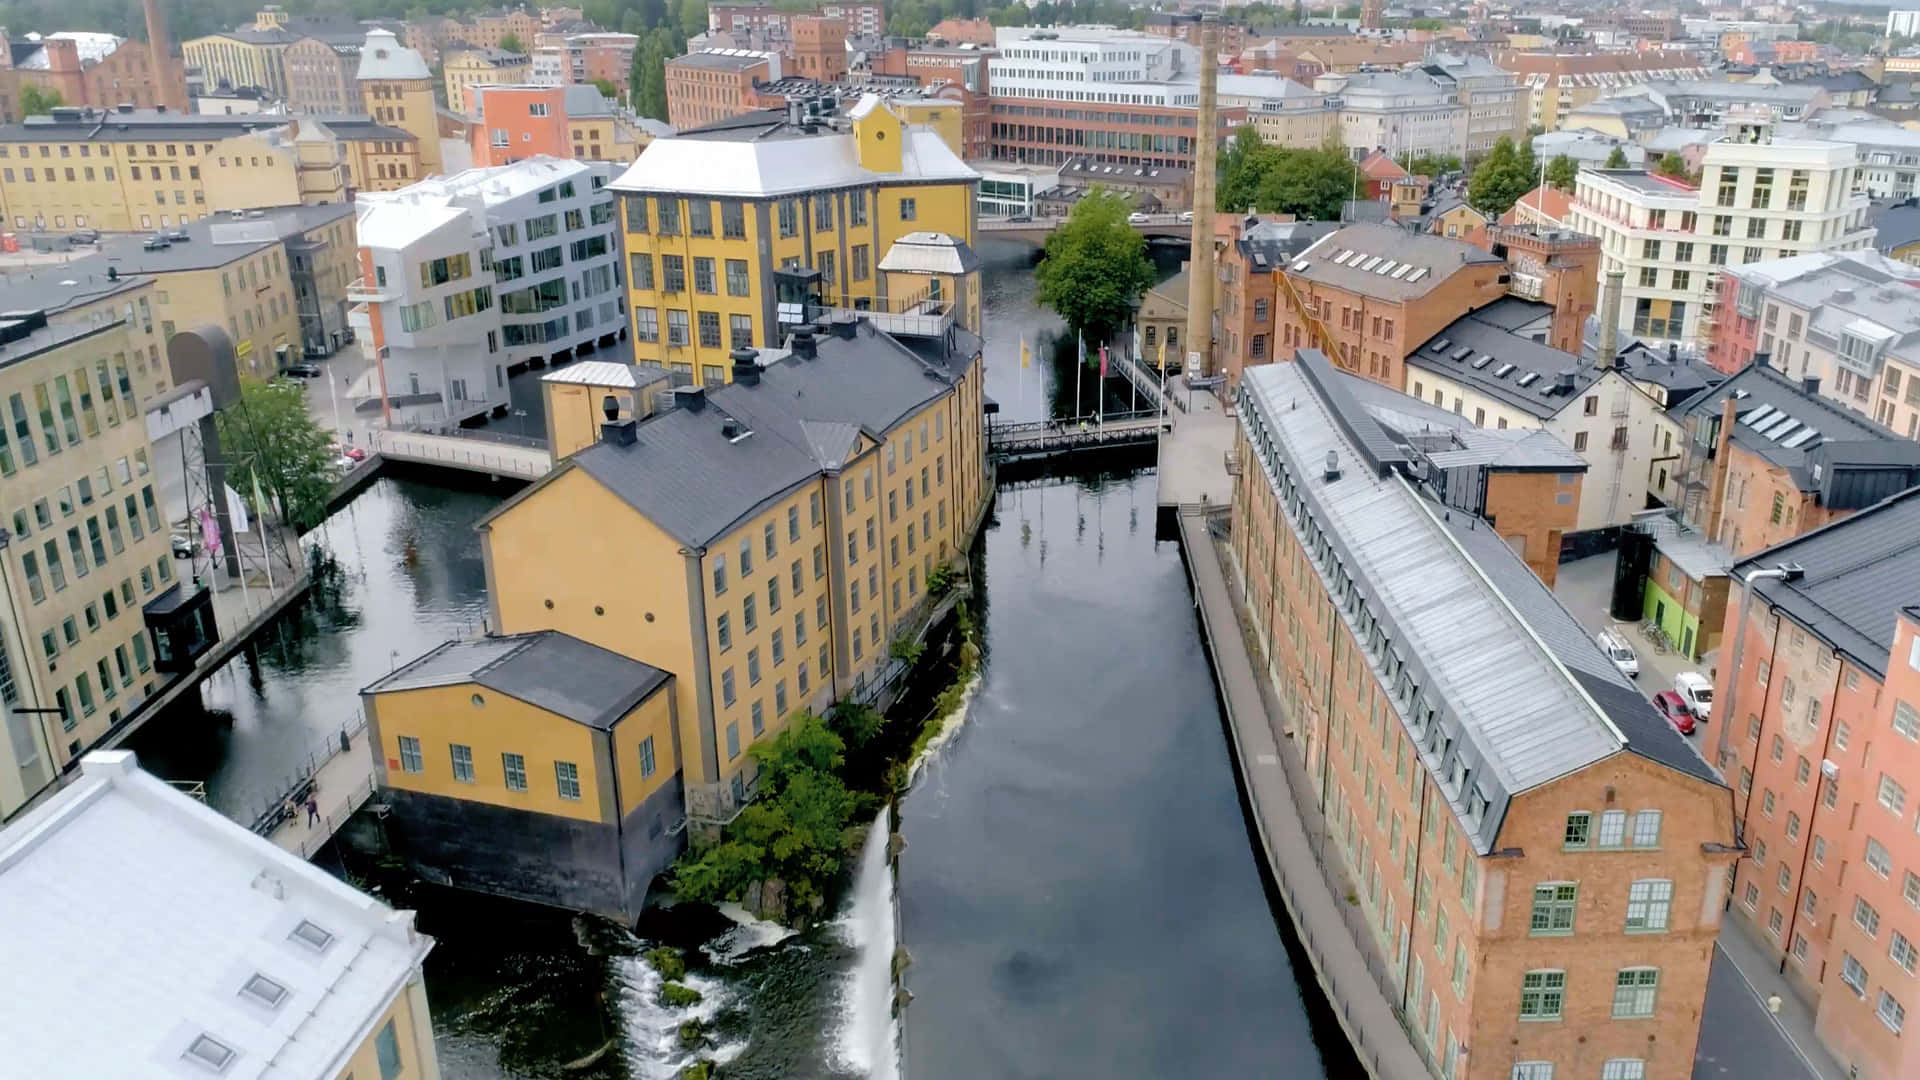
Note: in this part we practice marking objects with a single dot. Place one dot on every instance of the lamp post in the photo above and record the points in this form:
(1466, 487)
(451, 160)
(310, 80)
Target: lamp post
(19, 635)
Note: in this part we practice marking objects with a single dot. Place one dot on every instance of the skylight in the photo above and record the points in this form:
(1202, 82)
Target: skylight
(1461, 353)
(1440, 345)
(1798, 438)
(265, 991)
(1386, 266)
(312, 936)
(1785, 424)
(1528, 378)
(1416, 275)
(1402, 272)
(1371, 263)
(1759, 416)
(1299, 266)
(1503, 371)
(210, 1053)
(1482, 361)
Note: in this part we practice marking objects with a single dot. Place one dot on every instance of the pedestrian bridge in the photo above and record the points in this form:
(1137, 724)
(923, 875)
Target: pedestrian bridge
(1045, 438)
(473, 453)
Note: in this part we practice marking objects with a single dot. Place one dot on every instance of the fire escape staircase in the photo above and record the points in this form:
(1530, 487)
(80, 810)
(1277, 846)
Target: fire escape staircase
(1317, 334)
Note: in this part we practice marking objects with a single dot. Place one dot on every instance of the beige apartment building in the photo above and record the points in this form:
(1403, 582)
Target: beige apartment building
(468, 68)
(141, 169)
(86, 544)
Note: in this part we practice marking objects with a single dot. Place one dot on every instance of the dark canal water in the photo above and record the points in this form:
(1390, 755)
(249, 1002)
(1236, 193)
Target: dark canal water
(1078, 894)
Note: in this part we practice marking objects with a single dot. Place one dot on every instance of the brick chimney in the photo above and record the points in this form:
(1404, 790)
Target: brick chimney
(169, 76)
(1566, 267)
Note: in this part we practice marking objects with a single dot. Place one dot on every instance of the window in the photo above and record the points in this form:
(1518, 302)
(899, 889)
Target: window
(566, 776)
(726, 686)
(1866, 917)
(1853, 974)
(1532, 1070)
(647, 763)
(462, 763)
(1891, 1012)
(1613, 828)
(723, 631)
(1634, 990)
(733, 740)
(908, 211)
(1903, 952)
(410, 760)
(1578, 827)
(737, 281)
(386, 1049)
(1878, 859)
(210, 1053)
(1553, 907)
(1542, 995)
(1648, 902)
(1646, 829)
(514, 767)
(1892, 796)
(1624, 1069)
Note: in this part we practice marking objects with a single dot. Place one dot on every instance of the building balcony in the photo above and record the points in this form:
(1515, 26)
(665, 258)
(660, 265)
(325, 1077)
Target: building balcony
(915, 316)
(1527, 286)
(360, 292)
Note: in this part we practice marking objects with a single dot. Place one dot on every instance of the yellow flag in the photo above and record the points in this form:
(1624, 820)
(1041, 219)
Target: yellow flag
(1163, 355)
(1024, 361)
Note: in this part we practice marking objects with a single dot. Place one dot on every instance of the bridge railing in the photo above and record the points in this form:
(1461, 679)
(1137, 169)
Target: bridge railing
(461, 453)
(295, 788)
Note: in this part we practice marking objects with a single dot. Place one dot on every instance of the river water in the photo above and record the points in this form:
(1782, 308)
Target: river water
(1078, 894)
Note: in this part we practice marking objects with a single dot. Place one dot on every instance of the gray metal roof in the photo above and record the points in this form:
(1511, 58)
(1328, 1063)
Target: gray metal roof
(1796, 430)
(149, 125)
(1505, 691)
(687, 476)
(547, 669)
(1368, 259)
(1859, 570)
(1454, 352)
(1898, 225)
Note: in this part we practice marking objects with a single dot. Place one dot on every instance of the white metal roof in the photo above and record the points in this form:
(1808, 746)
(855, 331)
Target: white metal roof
(750, 168)
(928, 253)
(594, 373)
(393, 219)
(92, 48)
(383, 57)
(132, 915)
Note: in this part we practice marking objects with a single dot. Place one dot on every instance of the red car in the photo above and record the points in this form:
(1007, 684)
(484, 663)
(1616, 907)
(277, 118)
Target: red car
(1674, 708)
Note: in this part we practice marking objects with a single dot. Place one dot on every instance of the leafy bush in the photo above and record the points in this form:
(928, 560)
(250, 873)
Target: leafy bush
(907, 650)
(667, 961)
(940, 581)
(675, 996)
(855, 724)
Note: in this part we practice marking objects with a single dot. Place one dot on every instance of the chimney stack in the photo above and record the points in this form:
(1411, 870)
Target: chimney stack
(166, 88)
(746, 364)
(1206, 149)
(1610, 317)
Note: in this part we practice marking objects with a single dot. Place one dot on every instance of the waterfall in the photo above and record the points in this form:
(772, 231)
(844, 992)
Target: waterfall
(652, 1030)
(869, 1038)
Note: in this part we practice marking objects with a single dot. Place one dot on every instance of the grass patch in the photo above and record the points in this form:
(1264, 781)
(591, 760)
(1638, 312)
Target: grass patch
(666, 960)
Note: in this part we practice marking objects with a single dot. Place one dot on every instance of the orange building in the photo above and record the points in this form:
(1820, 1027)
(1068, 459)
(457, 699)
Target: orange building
(516, 122)
(819, 49)
(1818, 710)
(1251, 251)
(1766, 459)
(717, 84)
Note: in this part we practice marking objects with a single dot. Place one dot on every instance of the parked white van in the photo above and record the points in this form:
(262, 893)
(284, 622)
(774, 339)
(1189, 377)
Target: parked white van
(1619, 652)
(1697, 691)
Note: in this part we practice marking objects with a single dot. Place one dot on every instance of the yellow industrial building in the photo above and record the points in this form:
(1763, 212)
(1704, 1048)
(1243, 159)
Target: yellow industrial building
(738, 228)
(140, 169)
(506, 759)
(482, 67)
(86, 544)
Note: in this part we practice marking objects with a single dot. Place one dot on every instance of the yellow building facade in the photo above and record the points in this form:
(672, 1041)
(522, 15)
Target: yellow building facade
(87, 542)
(396, 88)
(726, 225)
(159, 171)
(481, 67)
(795, 537)
(244, 57)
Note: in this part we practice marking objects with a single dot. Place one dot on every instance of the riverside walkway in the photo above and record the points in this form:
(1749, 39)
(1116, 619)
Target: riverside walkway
(1345, 974)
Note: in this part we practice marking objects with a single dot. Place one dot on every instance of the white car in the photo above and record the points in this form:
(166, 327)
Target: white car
(1137, 218)
(1697, 691)
(1619, 652)
(1186, 217)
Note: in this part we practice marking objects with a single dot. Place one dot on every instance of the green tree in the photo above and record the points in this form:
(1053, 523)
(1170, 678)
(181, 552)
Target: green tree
(1310, 184)
(35, 101)
(1241, 167)
(1431, 164)
(650, 90)
(1095, 267)
(269, 436)
(1672, 164)
(1562, 172)
(1500, 180)
(511, 43)
(607, 89)
(1617, 159)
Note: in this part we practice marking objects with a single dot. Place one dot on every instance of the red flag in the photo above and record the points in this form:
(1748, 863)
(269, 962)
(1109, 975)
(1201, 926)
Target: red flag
(1103, 361)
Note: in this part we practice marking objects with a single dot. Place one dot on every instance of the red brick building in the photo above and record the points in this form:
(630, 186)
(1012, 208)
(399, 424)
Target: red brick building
(819, 47)
(1049, 132)
(95, 70)
(1533, 856)
(707, 87)
(1817, 706)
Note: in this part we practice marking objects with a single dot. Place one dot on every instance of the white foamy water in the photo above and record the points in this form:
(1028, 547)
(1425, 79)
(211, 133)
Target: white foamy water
(869, 1040)
(652, 1031)
(748, 934)
(949, 727)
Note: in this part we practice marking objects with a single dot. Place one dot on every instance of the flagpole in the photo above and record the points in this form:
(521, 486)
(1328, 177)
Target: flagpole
(1100, 390)
(1079, 361)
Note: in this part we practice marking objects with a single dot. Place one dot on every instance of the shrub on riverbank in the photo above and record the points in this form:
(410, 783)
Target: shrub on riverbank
(675, 996)
(666, 960)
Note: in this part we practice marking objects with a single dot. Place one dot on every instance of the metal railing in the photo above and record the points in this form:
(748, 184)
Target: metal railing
(1317, 331)
(460, 453)
(274, 812)
(331, 821)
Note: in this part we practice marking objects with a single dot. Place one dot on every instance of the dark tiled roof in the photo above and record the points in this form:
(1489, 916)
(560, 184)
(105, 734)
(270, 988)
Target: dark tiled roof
(549, 670)
(687, 476)
(1898, 225)
(1841, 438)
(1472, 336)
(1858, 572)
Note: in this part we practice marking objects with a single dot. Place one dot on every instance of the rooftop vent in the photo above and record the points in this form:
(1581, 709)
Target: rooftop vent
(803, 346)
(1563, 382)
(1333, 466)
(690, 398)
(746, 365)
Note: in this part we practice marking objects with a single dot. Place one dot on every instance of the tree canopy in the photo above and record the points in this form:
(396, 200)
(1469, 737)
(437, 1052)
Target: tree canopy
(269, 436)
(511, 43)
(1094, 266)
(1500, 180)
(1672, 164)
(1430, 164)
(1312, 185)
(35, 101)
(1563, 172)
(1617, 159)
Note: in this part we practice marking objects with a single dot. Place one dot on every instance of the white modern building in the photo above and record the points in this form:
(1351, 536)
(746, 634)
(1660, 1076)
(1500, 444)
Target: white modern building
(478, 272)
(1400, 112)
(1495, 100)
(1889, 154)
(1847, 321)
(1093, 64)
(1903, 23)
(148, 936)
(1757, 201)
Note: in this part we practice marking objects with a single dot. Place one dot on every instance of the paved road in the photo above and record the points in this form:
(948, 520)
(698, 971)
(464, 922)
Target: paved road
(1738, 1039)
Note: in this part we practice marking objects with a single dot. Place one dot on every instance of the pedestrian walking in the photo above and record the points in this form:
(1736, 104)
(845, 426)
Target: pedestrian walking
(313, 809)
(291, 809)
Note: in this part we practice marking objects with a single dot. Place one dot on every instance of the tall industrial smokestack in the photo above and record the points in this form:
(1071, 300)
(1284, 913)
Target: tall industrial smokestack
(1206, 152)
(1610, 317)
(169, 91)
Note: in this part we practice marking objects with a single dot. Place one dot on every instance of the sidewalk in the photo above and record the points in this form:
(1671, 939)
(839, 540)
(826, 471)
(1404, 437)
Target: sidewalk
(1737, 1027)
(1340, 966)
(342, 784)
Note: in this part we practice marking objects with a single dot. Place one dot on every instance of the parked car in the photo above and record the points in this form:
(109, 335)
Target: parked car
(182, 546)
(302, 371)
(84, 236)
(353, 453)
(1619, 652)
(1137, 218)
(1669, 704)
(157, 243)
(1186, 217)
(1697, 691)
